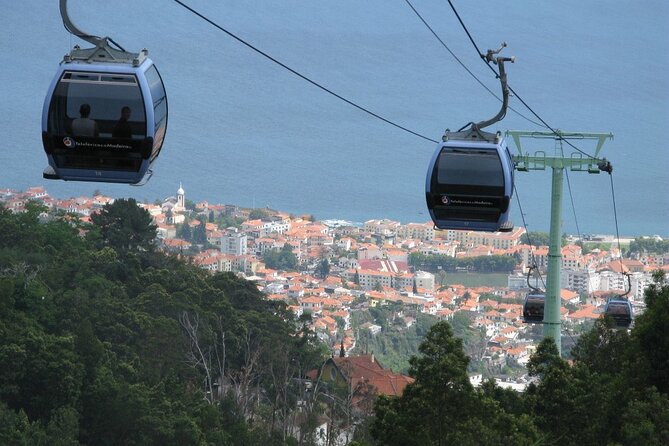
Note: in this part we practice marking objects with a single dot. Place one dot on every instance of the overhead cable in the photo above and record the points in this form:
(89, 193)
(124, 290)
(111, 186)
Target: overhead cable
(463, 65)
(529, 240)
(511, 89)
(300, 75)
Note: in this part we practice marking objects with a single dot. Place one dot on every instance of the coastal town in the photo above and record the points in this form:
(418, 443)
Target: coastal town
(325, 271)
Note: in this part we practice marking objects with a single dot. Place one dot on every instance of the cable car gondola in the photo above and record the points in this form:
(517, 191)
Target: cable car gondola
(620, 311)
(535, 301)
(469, 181)
(105, 114)
(470, 184)
(533, 308)
(619, 308)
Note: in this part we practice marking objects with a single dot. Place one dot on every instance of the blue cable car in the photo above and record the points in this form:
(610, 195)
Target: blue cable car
(533, 308)
(620, 310)
(535, 302)
(469, 182)
(105, 114)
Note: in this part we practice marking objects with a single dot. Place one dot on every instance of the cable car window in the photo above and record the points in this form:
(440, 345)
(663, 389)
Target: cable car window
(159, 104)
(467, 166)
(158, 95)
(106, 94)
(616, 308)
(81, 76)
(118, 78)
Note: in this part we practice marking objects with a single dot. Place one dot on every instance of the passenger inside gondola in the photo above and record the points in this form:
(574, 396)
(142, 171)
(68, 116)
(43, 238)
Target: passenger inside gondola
(122, 128)
(83, 125)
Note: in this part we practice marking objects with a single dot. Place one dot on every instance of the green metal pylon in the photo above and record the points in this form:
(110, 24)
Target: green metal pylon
(577, 162)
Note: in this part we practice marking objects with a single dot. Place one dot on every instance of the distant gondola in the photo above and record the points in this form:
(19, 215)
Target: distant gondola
(620, 310)
(533, 308)
(105, 114)
(469, 182)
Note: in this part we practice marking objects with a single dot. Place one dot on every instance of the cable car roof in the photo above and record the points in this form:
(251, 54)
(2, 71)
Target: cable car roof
(104, 54)
(472, 136)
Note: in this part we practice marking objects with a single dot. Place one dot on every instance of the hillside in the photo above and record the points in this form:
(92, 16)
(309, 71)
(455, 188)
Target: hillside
(105, 341)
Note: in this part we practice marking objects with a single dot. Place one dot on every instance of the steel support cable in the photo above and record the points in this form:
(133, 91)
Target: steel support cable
(573, 208)
(300, 75)
(615, 217)
(571, 198)
(463, 65)
(529, 240)
(578, 230)
(545, 124)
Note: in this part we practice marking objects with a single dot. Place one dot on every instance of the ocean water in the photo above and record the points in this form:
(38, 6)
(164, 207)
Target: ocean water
(244, 131)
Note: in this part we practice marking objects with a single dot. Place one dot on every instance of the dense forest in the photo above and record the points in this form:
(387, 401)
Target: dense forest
(104, 340)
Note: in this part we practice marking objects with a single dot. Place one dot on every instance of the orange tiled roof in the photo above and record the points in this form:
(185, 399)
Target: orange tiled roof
(366, 368)
(587, 312)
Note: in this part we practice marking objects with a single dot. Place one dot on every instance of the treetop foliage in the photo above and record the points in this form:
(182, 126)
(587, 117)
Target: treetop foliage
(433, 262)
(104, 334)
(616, 391)
(283, 259)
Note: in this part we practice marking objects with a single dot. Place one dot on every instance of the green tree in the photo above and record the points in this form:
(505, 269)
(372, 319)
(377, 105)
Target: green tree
(564, 397)
(650, 336)
(227, 221)
(259, 214)
(441, 407)
(125, 226)
(441, 278)
(646, 420)
(283, 259)
(184, 232)
(190, 205)
(643, 245)
(200, 233)
(535, 238)
(322, 269)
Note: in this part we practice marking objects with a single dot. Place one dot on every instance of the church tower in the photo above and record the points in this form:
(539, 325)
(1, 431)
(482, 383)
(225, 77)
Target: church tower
(181, 198)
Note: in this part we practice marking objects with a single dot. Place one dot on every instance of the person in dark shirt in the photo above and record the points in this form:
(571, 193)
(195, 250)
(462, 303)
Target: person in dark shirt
(122, 128)
(85, 126)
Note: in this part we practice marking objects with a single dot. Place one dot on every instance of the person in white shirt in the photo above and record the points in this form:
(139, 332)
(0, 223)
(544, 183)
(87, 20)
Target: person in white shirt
(85, 126)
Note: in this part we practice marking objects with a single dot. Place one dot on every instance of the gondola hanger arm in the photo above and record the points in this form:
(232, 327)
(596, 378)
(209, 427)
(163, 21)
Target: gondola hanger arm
(72, 28)
(491, 56)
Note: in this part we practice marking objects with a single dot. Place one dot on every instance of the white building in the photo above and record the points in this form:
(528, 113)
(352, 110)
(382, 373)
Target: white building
(639, 282)
(499, 240)
(580, 280)
(424, 280)
(612, 281)
(423, 231)
(234, 243)
(382, 227)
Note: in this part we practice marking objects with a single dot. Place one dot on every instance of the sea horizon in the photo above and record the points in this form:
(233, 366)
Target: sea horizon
(244, 130)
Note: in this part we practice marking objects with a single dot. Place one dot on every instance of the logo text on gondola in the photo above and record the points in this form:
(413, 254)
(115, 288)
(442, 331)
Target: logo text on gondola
(471, 202)
(71, 143)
